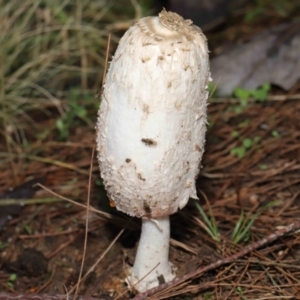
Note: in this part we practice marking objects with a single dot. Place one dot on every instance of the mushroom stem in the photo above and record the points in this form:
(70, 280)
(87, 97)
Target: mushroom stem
(152, 266)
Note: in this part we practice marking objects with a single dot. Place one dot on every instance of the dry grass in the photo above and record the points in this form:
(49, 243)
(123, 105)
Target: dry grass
(48, 51)
(53, 56)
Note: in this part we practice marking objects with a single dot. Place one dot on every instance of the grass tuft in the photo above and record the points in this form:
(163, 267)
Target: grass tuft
(49, 48)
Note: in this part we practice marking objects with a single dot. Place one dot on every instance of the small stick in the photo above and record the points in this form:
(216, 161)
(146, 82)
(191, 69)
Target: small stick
(7, 296)
(250, 248)
(86, 226)
(22, 202)
(269, 98)
(106, 61)
(47, 282)
(98, 261)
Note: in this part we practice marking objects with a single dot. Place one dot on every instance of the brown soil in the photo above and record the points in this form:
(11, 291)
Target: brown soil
(43, 244)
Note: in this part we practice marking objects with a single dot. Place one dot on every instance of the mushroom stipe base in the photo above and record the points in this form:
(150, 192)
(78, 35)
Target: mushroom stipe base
(150, 271)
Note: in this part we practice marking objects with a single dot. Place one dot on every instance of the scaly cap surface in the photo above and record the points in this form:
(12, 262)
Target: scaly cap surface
(152, 118)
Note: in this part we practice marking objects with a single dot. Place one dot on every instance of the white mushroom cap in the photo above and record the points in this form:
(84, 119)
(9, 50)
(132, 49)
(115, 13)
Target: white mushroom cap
(152, 117)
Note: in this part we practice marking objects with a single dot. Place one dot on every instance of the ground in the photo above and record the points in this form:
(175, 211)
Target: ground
(44, 244)
(248, 188)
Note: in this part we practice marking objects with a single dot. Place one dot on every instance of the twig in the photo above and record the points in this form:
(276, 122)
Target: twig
(106, 61)
(86, 226)
(269, 98)
(104, 214)
(250, 248)
(42, 235)
(61, 247)
(46, 161)
(6, 296)
(109, 217)
(22, 202)
(272, 264)
(47, 282)
(98, 261)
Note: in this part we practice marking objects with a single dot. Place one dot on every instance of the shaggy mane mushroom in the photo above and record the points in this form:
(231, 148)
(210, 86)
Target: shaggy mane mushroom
(151, 131)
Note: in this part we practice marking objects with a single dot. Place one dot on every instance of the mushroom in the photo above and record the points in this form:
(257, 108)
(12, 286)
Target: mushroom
(151, 131)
